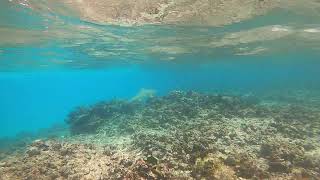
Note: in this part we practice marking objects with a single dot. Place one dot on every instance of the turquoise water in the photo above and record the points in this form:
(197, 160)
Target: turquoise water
(173, 82)
(51, 62)
(34, 100)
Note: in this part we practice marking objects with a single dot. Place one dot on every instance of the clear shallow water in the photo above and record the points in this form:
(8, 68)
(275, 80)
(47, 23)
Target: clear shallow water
(33, 100)
(52, 61)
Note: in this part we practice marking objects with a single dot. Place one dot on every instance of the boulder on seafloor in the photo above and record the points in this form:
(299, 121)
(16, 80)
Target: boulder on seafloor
(33, 151)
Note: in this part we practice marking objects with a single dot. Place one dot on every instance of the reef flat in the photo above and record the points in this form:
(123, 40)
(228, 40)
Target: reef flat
(183, 135)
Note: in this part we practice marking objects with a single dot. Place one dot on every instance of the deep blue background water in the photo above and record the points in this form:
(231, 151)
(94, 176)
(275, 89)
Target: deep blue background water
(38, 99)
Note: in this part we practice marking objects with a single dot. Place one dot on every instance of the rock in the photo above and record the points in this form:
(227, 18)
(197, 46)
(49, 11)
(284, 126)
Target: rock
(33, 151)
(152, 160)
(56, 146)
(126, 162)
(64, 171)
(230, 161)
(280, 167)
(309, 146)
(142, 167)
(266, 150)
(3, 164)
(66, 151)
(40, 144)
(109, 150)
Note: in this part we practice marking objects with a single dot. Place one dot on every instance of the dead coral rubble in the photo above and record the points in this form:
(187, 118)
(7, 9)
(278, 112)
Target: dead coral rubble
(57, 160)
(184, 135)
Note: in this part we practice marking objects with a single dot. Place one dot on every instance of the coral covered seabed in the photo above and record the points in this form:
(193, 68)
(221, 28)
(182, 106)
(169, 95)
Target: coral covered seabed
(183, 135)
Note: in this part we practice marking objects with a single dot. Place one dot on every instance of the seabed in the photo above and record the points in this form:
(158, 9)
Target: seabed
(182, 135)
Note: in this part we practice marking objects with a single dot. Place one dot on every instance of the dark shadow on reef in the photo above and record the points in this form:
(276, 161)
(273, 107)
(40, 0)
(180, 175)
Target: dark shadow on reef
(88, 119)
(184, 135)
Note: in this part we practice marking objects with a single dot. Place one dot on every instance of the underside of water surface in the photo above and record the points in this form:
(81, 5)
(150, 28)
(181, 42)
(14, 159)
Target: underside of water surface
(159, 89)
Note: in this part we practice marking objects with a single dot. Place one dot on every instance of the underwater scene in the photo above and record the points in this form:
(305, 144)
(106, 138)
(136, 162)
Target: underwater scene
(159, 89)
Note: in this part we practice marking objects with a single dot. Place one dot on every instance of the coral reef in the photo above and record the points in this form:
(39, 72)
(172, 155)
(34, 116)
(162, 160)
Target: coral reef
(88, 119)
(183, 135)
